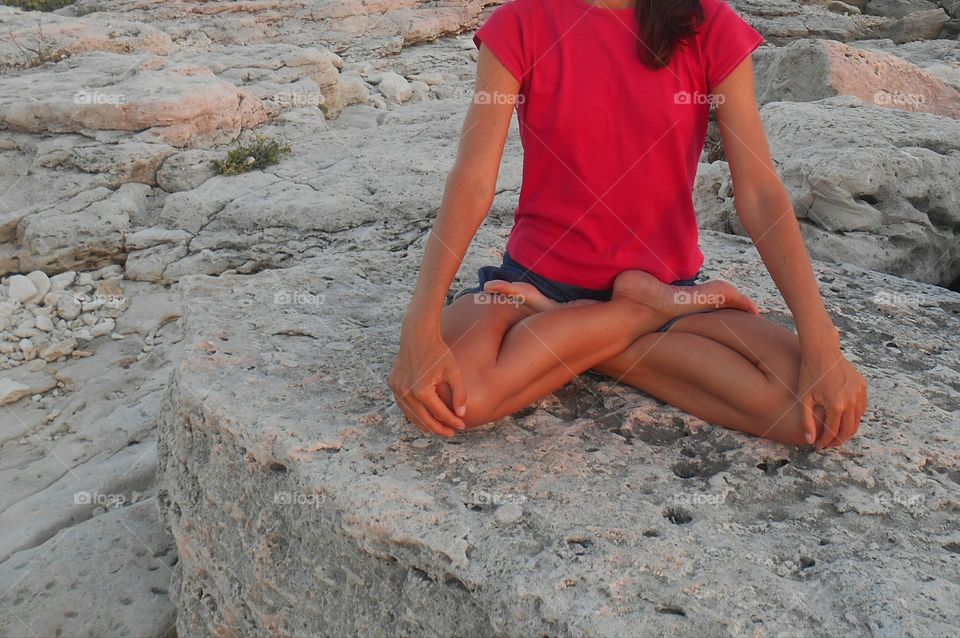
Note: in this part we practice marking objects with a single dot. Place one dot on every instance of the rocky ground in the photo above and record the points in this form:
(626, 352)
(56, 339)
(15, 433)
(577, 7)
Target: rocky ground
(274, 297)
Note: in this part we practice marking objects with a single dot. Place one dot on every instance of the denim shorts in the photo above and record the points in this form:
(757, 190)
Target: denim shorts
(560, 292)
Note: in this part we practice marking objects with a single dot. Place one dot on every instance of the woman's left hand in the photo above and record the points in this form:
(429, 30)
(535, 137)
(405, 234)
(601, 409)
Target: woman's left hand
(833, 391)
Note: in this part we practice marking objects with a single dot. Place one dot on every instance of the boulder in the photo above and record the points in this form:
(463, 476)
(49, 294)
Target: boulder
(872, 186)
(32, 38)
(282, 76)
(939, 58)
(86, 231)
(808, 70)
(179, 105)
(187, 170)
(310, 507)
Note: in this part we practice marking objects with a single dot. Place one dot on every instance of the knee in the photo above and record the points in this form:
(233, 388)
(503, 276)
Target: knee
(483, 398)
(777, 413)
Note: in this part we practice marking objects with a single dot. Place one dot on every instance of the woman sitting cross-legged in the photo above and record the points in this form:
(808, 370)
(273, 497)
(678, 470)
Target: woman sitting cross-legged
(600, 271)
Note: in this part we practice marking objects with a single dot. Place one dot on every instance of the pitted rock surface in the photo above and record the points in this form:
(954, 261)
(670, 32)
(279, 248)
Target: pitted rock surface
(598, 511)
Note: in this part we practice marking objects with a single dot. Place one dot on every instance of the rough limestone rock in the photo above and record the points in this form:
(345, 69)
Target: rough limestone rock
(808, 70)
(180, 105)
(282, 76)
(86, 231)
(22, 381)
(357, 172)
(187, 170)
(872, 186)
(81, 549)
(123, 558)
(781, 21)
(31, 38)
(939, 58)
(360, 29)
(115, 163)
(310, 507)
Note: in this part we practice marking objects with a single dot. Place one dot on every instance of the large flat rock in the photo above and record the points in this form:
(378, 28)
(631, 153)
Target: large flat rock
(303, 504)
(355, 28)
(178, 104)
(105, 577)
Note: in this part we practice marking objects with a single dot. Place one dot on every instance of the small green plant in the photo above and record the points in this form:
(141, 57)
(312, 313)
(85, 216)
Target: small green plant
(261, 153)
(38, 5)
(42, 51)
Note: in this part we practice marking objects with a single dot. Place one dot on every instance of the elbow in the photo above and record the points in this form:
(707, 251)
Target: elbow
(760, 206)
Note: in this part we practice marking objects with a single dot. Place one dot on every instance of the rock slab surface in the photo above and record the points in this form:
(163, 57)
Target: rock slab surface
(302, 504)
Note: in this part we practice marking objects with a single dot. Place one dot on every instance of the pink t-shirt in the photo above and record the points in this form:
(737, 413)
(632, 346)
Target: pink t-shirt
(610, 146)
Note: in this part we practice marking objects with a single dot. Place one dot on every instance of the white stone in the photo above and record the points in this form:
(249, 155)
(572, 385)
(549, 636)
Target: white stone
(62, 281)
(44, 323)
(42, 284)
(68, 307)
(20, 288)
(58, 349)
(394, 87)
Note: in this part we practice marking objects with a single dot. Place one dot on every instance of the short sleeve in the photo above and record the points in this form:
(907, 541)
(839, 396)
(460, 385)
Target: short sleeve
(503, 34)
(726, 41)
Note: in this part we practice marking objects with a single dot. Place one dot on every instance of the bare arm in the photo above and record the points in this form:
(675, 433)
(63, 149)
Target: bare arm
(469, 192)
(763, 205)
(424, 362)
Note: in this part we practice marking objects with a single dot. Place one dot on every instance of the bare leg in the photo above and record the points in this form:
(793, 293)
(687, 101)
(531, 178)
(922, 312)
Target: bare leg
(729, 368)
(511, 355)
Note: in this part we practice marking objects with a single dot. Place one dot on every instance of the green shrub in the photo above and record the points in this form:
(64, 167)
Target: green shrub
(38, 5)
(261, 153)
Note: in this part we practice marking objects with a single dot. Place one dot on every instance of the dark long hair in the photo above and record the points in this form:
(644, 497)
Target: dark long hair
(664, 26)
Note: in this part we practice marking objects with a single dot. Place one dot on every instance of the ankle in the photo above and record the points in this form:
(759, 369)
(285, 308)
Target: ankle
(637, 317)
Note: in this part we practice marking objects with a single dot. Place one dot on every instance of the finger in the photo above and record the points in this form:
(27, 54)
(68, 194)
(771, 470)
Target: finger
(458, 390)
(831, 426)
(408, 413)
(809, 422)
(848, 425)
(441, 411)
(427, 419)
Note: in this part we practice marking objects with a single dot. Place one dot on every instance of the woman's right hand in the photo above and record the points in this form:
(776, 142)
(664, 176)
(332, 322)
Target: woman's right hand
(424, 365)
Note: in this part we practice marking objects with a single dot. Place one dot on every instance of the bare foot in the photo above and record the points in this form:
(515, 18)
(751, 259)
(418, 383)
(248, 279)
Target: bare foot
(672, 301)
(529, 295)
(641, 288)
(524, 293)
